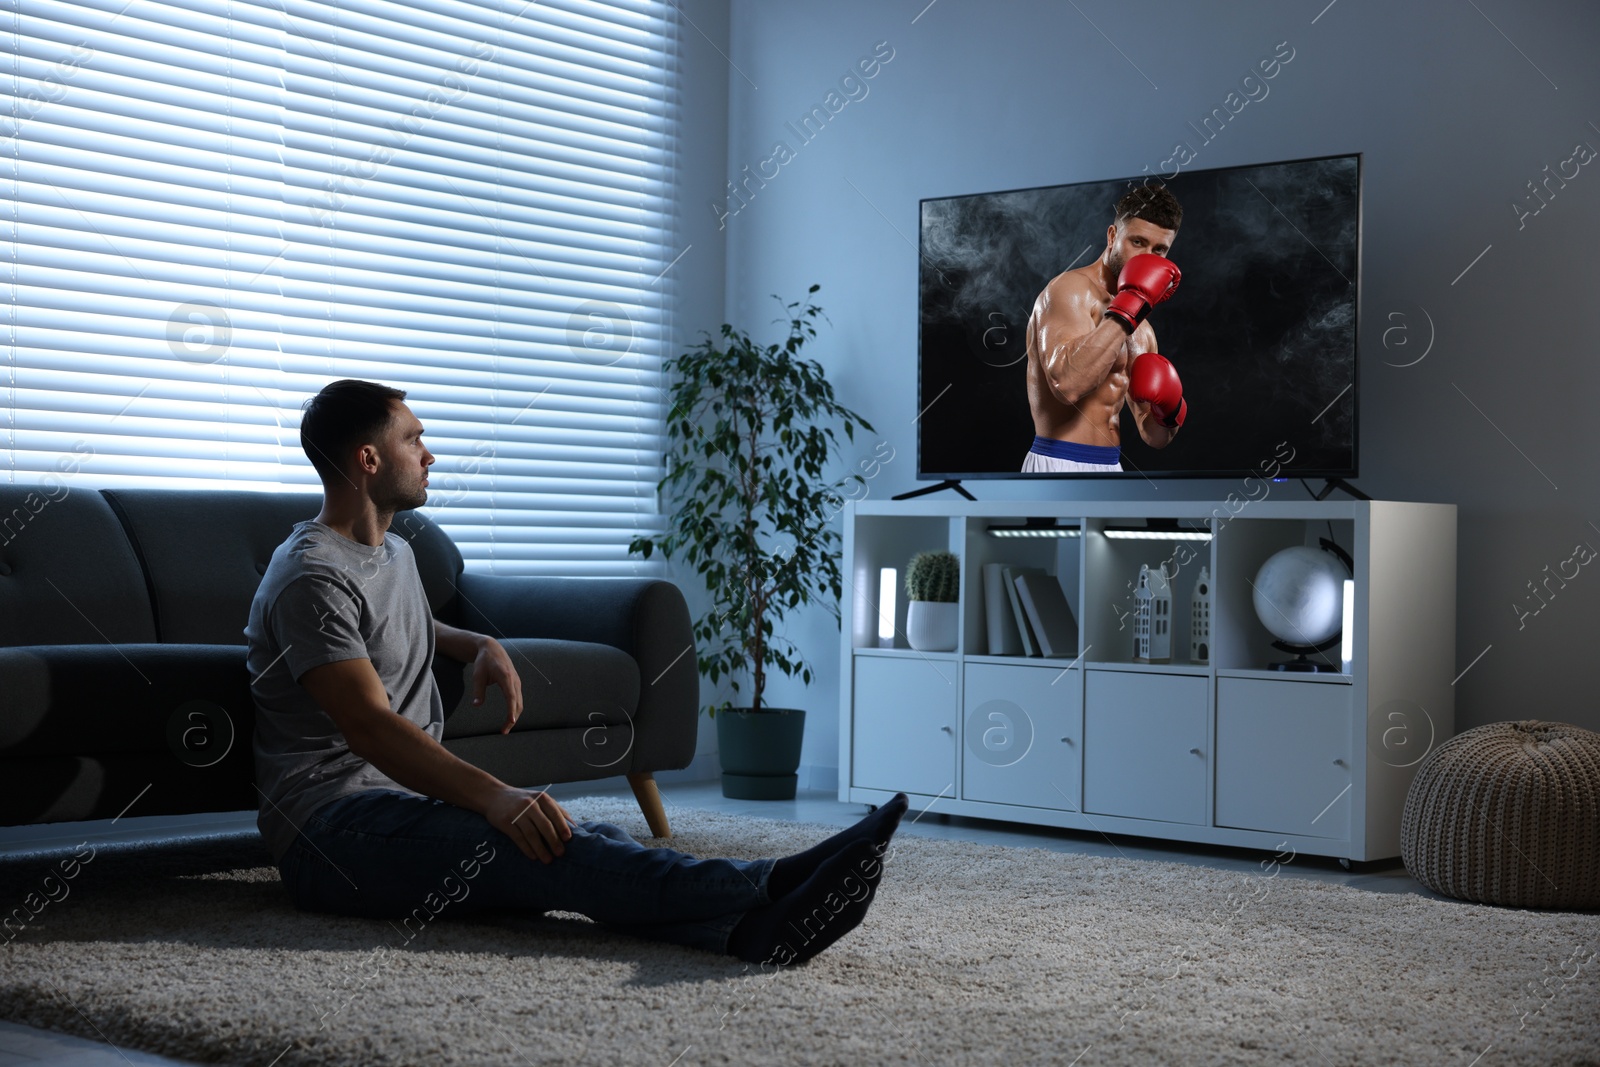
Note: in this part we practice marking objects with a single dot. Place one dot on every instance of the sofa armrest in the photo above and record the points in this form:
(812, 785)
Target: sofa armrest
(647, 618)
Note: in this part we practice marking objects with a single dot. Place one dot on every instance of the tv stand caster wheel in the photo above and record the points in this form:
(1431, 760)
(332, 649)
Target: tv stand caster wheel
(1345, 863)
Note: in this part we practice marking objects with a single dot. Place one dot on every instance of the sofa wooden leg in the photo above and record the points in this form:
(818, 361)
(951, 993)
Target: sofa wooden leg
(649, 798)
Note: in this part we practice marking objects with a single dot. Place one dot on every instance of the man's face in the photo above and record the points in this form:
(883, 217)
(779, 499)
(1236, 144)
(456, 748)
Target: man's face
(1135, 237)
(403, 476)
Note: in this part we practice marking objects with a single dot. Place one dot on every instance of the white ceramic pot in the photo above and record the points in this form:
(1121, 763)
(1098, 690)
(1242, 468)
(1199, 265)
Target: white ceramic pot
(931, 626)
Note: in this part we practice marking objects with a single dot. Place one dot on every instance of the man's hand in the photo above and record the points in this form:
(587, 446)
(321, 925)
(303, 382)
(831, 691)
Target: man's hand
(533, 821)
(492, 664)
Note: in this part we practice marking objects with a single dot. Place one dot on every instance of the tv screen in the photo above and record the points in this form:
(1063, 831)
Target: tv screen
(1258, 337)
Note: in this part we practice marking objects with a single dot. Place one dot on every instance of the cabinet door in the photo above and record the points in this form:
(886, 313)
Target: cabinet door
(1022, 735)
(1283, 756)
(1145, 753)
(904, 725)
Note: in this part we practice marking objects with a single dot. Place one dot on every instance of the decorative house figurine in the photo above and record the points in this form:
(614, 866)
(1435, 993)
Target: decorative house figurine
(1200, 619)
(1152, 618)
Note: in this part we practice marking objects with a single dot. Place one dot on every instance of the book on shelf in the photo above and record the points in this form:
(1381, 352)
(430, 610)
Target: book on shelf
(1048, 613)
(1004, 640)
(1019, 613)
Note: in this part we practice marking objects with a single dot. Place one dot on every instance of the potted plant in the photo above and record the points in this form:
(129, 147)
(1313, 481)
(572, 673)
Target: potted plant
(933, 585)
(748, 436)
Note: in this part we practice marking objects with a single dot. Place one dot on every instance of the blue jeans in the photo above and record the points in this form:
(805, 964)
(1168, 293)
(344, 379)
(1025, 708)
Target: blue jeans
(383, 853)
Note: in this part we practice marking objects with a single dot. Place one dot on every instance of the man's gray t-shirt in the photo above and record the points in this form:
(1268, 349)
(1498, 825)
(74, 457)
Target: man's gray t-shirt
(326, 598)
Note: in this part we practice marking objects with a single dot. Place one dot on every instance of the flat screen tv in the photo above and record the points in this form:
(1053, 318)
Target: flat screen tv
(1260, 330)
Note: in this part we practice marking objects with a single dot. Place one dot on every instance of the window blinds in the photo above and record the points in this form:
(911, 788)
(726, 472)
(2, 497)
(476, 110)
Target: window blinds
(218, 207)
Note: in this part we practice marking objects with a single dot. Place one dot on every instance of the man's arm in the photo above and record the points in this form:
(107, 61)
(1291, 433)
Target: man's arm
(352, 694)
(456, 643)
(1076, 345)
(490, 663)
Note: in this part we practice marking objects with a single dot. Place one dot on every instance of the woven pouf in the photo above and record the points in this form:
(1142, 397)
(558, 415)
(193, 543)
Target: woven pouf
(1508, 813)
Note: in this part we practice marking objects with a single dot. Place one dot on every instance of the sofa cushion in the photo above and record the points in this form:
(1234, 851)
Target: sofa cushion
(96, 731)
(76, 700)
(42, 789)
(204, 552)
(67, 574)
(573, 684)
(536, 759)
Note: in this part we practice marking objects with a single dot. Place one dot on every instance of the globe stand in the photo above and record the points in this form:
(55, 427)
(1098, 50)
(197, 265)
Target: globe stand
(1300, 664)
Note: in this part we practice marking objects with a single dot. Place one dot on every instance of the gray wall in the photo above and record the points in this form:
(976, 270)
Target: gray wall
(1454, 118)
(696, 280)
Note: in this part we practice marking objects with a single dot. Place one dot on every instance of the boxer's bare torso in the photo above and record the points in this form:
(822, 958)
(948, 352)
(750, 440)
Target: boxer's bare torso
(1067, 309)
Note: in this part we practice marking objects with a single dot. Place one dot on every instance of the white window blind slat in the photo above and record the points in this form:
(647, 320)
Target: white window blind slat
(218, 207)
(400, 35)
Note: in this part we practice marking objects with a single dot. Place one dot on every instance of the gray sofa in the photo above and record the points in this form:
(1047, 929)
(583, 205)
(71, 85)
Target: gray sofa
(123, 688)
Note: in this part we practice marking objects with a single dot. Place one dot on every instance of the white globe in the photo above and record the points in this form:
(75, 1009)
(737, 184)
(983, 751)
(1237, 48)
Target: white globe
(1299, 595)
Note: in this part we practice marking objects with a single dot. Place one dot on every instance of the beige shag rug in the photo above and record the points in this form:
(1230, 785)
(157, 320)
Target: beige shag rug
(971, 954)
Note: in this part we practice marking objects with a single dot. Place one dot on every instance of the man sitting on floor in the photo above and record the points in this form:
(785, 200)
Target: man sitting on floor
(365, 811)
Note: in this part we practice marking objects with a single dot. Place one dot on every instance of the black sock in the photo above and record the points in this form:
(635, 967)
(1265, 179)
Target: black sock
(822, 909)
(877, 827)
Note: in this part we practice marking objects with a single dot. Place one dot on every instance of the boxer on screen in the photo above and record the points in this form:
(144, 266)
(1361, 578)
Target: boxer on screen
(1090, 350)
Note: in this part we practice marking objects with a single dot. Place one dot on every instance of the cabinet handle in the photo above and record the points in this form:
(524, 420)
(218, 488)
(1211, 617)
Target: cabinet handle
(947, 729)
(1194, 751)
(1338, 761)
(1068, 740)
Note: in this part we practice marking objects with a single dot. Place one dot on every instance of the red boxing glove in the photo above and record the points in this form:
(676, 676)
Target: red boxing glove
(1152, 379)
(1146, 280)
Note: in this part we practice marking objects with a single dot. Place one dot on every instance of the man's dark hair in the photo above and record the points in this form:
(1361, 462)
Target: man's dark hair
(345, 414)
(1153, 203)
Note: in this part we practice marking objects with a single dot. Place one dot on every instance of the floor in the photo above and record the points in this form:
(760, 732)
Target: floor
(24, 1046)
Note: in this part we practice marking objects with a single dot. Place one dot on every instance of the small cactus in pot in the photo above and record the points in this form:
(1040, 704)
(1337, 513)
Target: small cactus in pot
(933, 589)
(934, 576)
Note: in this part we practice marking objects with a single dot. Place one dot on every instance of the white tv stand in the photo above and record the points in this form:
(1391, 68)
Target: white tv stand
(1229, 752)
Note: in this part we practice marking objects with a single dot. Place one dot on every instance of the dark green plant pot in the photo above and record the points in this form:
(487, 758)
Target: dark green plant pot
(760, 752)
